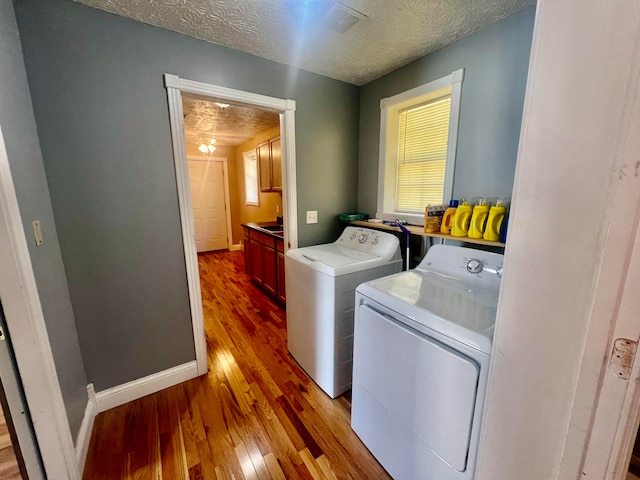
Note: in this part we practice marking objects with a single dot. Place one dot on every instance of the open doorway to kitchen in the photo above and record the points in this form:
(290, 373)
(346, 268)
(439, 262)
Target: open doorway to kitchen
(231, 176)
(185, 94)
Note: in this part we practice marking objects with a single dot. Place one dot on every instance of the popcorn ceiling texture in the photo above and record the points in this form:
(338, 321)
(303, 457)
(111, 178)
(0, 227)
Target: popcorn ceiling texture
(204, 120)
(395, 32)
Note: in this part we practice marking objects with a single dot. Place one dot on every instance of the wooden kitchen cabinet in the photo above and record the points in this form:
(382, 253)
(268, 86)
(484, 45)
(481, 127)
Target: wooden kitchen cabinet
(264, 163)
(269, 278)
(247, 252)
(276, 164)
(270, 164)
(262, 254)
(281, 291)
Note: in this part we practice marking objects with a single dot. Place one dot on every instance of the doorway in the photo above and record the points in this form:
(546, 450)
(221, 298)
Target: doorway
(176, 87)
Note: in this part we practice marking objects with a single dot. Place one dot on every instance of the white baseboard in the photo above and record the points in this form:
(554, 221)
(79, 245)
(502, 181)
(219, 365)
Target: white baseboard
(86, 428)
(237, 246)
(127, 392)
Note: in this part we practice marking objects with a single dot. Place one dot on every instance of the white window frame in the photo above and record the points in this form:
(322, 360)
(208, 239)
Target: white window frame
(390, 108)
(251, 154)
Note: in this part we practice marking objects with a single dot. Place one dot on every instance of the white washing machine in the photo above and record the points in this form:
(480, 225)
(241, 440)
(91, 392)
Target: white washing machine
(421, 359)
(321, 282)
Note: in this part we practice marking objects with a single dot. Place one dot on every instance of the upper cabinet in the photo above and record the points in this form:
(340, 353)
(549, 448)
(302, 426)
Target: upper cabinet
(270, 161)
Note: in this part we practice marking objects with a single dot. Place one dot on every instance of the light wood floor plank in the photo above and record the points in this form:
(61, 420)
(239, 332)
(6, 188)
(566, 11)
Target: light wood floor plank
(256, 414)
(274, 467)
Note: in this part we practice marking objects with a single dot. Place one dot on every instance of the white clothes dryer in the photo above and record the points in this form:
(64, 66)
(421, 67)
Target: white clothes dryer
(321, 282)
(421, 359)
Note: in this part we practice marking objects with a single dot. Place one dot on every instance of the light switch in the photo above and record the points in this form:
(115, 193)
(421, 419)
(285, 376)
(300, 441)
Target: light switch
(37, 232)
(312, 216)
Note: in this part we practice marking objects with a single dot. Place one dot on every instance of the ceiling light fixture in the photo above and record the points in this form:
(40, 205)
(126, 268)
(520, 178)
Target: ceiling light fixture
(223, 106)
(208, 149)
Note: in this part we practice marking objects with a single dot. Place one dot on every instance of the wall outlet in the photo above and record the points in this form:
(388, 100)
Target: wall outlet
(312, 216)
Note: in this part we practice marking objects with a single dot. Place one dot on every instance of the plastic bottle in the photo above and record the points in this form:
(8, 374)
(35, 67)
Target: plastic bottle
(494, 222)
(504, 229)
(447, 219)
(479, 219)
(461, 220)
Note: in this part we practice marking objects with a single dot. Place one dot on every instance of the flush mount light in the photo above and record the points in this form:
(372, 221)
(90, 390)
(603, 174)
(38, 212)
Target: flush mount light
(210, 148)
(223, 106)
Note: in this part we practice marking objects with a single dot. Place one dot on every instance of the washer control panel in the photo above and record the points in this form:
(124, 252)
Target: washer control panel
(369, 240)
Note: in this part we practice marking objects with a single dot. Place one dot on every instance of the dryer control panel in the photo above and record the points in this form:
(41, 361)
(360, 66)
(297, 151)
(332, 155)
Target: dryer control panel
(378, 243)
(477, 267)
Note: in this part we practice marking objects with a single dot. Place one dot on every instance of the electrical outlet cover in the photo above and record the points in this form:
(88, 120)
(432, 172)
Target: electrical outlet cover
(312, 216)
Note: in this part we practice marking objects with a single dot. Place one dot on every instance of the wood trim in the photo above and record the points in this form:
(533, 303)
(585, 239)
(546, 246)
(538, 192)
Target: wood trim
(389, 108)
(186, 219)
(127, 392)
(86, 428)
(25, 319)
(290, 192)
(175, 85)
(238, 97)
(452, 142)
(561, 301)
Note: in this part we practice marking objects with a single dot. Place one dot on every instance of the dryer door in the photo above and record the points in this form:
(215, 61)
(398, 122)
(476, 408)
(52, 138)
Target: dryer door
(425, 385)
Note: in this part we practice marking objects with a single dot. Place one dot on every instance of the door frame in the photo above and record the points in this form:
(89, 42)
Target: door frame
(30, 341)
(555, 407)
(286, 108)
(227, 201)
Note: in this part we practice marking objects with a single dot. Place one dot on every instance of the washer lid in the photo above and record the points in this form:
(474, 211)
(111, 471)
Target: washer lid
(335, 259)
(450, 306)
(335, 255)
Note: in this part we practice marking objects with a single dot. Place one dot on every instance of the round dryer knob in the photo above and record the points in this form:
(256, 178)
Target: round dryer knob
(353, 235)
(499, 271)
(374, 241)
(362, 238)
(474, 266)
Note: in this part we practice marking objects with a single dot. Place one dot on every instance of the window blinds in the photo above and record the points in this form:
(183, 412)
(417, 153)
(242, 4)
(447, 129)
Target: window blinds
(422, 155)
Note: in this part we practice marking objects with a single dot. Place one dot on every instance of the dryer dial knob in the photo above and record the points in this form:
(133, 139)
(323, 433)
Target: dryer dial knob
(374, 241)
(362, 238)
(474, 266)
(499, 272)
(353, 235)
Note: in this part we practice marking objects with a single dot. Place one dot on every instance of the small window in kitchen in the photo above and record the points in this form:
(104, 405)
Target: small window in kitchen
(251, 178)
(418, 130)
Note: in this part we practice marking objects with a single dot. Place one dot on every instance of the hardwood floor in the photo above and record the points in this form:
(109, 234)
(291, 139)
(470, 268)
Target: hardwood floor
(256, 415)
(9, 469)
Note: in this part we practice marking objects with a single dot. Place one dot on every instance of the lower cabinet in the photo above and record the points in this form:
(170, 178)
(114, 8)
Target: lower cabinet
(280, 272)
(262, 256)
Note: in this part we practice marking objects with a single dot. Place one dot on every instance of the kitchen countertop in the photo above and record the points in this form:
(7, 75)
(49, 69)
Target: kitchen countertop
(269, 228)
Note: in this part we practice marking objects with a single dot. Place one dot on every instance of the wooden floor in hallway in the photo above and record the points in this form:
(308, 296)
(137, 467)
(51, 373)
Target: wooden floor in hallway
(256, 415)
(9, 469)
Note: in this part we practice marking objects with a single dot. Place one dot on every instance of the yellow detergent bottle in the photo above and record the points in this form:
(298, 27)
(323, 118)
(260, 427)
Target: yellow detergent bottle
(494, 222)
(478, 219)
(461, 220)
(447, 218)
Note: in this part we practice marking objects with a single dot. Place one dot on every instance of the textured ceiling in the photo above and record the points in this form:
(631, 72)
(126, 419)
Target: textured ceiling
(394, 32)
(203, 120)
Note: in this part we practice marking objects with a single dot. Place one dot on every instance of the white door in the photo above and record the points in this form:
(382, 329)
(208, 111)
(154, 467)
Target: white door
(206, 178)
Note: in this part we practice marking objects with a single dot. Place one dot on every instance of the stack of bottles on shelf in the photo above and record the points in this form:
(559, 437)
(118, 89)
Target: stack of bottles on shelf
(486, 219)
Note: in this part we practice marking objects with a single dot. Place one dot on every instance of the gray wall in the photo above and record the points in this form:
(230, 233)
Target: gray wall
(101, 110)
(496, 63)
(21, 138)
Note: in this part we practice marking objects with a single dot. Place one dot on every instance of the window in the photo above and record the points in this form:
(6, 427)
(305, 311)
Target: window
(418, 131)
(251, 178)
